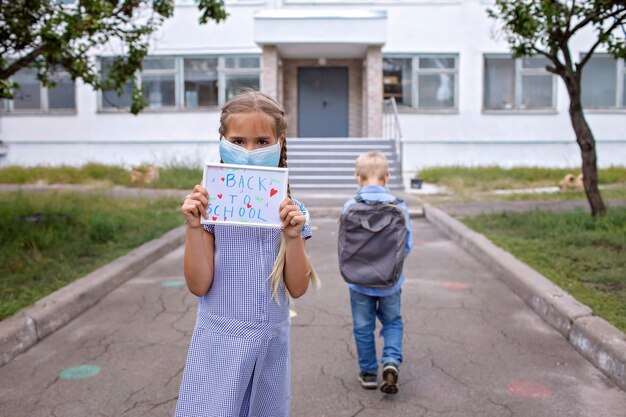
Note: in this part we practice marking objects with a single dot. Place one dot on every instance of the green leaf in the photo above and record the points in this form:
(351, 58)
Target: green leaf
(48, 34)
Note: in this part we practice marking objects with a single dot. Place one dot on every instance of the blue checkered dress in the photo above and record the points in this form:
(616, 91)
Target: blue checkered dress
(238, 362)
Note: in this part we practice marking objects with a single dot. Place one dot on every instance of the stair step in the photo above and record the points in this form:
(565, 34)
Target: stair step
(349, 169)
(332, 155)
(322, 186)
(328, 163)
(299, 161)
(324, 162)
(341, 140)
(324, 177)
(355, 146)
(334, 176)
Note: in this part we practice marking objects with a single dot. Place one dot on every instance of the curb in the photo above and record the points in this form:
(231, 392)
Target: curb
(24, 329)
(597, 340)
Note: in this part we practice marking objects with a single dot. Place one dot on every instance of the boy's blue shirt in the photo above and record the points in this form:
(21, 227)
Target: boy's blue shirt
(378, 193)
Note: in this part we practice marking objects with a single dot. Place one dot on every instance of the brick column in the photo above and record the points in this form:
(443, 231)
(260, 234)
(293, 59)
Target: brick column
(269, 71)
(373, 99)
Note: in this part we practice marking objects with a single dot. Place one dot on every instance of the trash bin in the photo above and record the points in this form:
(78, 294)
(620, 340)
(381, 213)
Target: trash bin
(416, 183)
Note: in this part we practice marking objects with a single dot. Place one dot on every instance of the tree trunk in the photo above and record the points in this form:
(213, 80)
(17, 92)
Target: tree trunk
(587, 145)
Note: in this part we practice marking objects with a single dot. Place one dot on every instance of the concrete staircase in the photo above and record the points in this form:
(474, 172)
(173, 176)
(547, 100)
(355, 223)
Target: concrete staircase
(328, 163)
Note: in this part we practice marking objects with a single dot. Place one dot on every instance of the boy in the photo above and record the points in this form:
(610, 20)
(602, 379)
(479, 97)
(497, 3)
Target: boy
(368, 303)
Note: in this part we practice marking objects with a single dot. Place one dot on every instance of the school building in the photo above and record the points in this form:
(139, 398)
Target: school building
(428, 82)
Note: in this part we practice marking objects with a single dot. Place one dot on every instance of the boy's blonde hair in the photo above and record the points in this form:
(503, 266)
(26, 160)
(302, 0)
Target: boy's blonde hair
(249, 101)
(372, 165)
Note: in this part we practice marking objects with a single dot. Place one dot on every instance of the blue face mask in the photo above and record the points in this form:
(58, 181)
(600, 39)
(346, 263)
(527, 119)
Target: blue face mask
(235, 154)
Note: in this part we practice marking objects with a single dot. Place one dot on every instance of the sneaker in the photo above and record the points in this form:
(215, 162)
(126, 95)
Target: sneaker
(390, 378)
(368, 380)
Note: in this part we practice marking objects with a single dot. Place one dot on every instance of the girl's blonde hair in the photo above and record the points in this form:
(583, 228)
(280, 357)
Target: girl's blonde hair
(250, 101)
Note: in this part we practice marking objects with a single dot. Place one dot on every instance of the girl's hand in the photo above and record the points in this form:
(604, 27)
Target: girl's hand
(195, 205)
(292, 219)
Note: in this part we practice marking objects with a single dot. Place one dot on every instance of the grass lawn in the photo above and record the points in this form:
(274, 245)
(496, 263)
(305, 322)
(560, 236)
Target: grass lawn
(48, 240)
(615, 192)
(169, 176)
(584, 256)
(469, 180)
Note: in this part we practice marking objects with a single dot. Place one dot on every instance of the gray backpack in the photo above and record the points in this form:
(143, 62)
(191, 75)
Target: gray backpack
(372, 237)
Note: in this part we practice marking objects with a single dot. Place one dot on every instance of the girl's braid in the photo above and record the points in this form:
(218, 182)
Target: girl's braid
(283, 161)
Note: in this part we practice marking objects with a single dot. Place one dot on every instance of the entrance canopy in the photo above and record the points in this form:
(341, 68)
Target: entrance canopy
(312, 33)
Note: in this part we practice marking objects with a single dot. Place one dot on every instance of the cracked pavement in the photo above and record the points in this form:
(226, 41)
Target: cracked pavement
(463, 348)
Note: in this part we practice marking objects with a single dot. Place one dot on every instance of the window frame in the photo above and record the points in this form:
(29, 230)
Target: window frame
(181, 84)
(223, 72)
(179, 68)
(519, 72)
(416, 72)
(620, 95)
(165, 72)
(7, 105)
(100, 93)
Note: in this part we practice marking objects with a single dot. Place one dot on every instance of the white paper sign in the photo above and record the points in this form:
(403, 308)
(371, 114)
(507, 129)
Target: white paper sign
(243, 194)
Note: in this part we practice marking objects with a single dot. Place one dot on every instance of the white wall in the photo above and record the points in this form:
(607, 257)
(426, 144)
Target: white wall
(466, 30)
(189, 154)
(469, 136)
(183, 34)
(90, 125)
(459, 27)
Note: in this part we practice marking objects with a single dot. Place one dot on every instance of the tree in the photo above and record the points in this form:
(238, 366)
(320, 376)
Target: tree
(61, 33)
(546, 27)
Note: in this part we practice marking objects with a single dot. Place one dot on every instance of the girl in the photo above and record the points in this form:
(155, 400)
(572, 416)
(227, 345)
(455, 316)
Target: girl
(238, 362)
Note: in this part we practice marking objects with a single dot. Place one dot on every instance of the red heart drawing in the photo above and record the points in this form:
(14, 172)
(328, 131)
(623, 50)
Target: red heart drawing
(213, 218)
(249, 205)
(219, 196)
(273, 192)
(222, 179)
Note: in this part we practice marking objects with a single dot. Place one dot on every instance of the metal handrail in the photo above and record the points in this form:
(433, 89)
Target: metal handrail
(391, 125)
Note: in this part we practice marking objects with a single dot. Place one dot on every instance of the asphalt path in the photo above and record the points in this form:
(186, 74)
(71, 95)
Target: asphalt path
(471, 347)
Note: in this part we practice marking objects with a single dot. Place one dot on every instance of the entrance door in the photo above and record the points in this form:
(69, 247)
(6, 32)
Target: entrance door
(322, 102)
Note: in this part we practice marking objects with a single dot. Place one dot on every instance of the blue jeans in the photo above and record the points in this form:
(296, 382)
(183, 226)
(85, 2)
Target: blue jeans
(365, 309)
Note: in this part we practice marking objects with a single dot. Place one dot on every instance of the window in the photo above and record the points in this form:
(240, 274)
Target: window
(32, 96)
(235, 83)
(240, 73)
(427, 82)
(624, 84)
(62, 96)
(397, 80)
(603, 83)
(28, 95)
(201, 83)
(111, 99)
(180, 83)
(158, 81)
(435, 82)
(518, 84)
